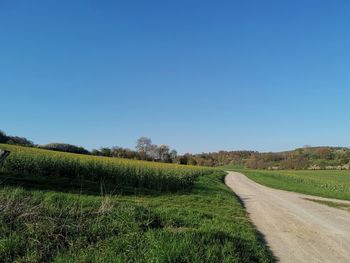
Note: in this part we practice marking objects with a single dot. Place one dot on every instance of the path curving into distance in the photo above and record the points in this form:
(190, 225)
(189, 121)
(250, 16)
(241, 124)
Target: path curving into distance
(297, 230)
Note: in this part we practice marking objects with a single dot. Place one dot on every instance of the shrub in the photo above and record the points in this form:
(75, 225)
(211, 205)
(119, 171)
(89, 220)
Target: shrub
(64, 147)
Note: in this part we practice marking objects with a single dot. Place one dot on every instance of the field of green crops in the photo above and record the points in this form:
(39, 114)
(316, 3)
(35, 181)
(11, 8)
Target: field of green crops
(325, 183)
(52, 210)
(119, 172)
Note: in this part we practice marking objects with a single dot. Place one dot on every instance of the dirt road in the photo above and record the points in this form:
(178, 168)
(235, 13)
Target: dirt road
(297, 230)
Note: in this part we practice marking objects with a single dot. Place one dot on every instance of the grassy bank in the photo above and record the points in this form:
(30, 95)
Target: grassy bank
(207, 224)
(325, 183)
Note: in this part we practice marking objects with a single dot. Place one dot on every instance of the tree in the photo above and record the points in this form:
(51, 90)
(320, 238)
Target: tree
(19, 141)
(325, 153)
(173, 156)
(3, 137)
(64, 147)
(163, 153)
(105, 151)
(96, 152)
(144, 146)
(124, 153)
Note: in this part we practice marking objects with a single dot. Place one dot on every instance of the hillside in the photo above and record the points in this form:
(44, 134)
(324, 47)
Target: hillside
(315, 158)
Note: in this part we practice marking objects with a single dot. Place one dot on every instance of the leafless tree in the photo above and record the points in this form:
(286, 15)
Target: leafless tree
(144, 146)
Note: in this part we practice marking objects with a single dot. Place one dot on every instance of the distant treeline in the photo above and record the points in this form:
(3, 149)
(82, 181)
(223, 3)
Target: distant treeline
(301, 158)
(14, 140)
(315, 158)
(144, 149)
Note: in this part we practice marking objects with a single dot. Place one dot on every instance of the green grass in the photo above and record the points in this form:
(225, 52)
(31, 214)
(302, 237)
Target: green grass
(70, 221)
(325, 183)
(118, 172)
(338, 205)
(231, 167)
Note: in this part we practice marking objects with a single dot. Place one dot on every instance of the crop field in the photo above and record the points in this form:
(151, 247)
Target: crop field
(325, 183)
(53, 210)
(119, 172)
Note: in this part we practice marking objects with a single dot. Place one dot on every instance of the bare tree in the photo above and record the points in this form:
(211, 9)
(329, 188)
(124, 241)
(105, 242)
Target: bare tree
(144, 146)
(173, 156)
(163, 153)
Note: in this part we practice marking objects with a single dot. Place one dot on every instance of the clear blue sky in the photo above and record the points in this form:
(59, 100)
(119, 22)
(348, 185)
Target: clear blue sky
(197, 75)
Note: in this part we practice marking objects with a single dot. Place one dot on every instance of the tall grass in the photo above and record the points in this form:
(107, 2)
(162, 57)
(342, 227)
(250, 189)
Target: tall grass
(120, 172)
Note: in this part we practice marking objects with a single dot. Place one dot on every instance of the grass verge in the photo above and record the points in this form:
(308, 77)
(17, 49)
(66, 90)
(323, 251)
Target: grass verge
(342, 206)
(43, 221)
(328, 183)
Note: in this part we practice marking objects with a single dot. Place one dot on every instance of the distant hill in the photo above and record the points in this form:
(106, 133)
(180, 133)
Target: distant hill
(316, 158)
(307, 157)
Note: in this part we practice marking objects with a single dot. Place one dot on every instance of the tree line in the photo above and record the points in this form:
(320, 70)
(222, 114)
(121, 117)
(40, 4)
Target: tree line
(316, 158)
(302, 158)
(144, 149)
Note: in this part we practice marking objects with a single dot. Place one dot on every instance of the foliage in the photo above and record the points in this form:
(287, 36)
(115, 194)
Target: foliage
(3, 137)
(14, 140)
(120, 172)
(216, 158)
(302, 158)
(298, 159)
(206, 225)
(145, 150)
(64, 147)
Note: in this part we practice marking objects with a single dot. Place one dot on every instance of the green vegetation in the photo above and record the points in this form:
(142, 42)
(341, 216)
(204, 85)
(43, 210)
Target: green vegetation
(306, 158)
(119, 172)
(64, 147)
(64, 207)
(315, 158)
(330, 183)
(338, 205)
(39, 224)
(14, 140)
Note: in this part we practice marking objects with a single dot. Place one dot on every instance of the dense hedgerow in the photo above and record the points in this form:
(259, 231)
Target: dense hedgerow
(120, 172)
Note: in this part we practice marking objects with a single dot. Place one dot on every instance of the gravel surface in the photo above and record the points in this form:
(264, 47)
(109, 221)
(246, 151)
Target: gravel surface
(297, 230)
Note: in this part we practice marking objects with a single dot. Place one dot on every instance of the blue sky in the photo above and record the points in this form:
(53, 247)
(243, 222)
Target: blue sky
(197, 75)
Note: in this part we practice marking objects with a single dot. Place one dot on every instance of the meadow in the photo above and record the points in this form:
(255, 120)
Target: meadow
(324, 183)
(50, 212)
(38, 224)
(118, 172)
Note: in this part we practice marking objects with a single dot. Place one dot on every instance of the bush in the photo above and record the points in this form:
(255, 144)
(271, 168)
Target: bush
(19, 141)
(64, 147)
(3, 137)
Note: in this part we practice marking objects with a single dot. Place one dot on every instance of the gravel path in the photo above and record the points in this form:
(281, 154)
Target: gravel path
(297, 230)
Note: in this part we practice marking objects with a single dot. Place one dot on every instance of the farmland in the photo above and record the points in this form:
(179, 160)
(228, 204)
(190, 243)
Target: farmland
(119, 172)
(52, 209)
(324, 183)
